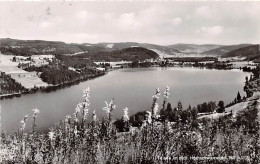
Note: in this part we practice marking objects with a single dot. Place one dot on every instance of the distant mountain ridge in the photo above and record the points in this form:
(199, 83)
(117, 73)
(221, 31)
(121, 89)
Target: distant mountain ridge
(119, 46)
(37, 47)
(34, 47)
(247, 51)
(194, 48)
(224, 49)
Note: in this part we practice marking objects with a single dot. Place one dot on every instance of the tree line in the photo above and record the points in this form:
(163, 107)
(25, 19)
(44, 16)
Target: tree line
(8, 85)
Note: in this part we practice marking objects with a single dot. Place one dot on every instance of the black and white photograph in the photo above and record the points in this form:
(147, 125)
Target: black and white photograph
(129, 82)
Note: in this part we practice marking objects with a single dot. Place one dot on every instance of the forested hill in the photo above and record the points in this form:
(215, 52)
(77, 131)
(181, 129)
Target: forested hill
(107, 51)
(224, 49)
(40, 47)
(36, 47)
(243, 52)
(123, 45)
(128, 54)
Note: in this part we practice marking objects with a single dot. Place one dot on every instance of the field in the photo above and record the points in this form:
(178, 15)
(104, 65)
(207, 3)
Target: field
(27, 79)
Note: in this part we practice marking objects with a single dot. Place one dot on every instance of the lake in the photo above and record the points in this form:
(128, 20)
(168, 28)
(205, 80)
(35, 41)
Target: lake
(132, 88)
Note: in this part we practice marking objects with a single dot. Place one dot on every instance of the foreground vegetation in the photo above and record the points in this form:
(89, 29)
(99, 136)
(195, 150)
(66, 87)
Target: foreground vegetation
(231, 139)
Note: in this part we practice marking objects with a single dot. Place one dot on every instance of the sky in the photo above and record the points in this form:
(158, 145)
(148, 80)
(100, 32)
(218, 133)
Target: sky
(157, 22)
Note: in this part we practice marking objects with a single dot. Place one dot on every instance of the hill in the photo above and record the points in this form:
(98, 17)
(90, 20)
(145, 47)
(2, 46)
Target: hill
(128, 54)
(123, 45)
(35, 47)
(243, 52)
(224, 49)
(194, 48)
(39, 47)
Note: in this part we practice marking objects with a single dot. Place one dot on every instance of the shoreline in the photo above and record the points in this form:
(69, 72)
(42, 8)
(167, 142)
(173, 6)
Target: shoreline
(49, 88)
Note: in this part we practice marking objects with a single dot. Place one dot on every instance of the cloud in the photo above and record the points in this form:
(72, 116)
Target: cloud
(208, 12)
(44, 25)
(211, 31)
(129, 22)
(109, 15)
(85, 15)
(159, 23)
(203, 10)
(175, 21)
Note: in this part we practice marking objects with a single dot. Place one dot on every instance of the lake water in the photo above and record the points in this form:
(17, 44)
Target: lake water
(132, 88)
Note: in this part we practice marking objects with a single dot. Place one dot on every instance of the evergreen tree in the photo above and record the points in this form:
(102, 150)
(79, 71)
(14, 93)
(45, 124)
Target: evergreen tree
(238, 97)
(221, 106)
(179, 106)
(246, 80)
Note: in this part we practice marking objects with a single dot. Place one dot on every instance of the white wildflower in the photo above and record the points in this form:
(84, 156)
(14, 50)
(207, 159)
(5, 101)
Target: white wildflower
(25, 118)
(125, 116)
(86, 94)
(155, 109)
(75, 117)
(75, 130)
(85, 113)
(79, 106)
(68, 117)
(85, 104)
(167, 92)
(149, 117)
(94, 116)
(157, 94)
(109, 107)
(23, 124)
(35, 112)
(106, 108)
(51, 135)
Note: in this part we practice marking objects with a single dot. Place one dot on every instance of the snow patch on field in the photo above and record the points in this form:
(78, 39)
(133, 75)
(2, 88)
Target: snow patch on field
(27, 79)
(161, 53)
(110, 45)
(76, 53)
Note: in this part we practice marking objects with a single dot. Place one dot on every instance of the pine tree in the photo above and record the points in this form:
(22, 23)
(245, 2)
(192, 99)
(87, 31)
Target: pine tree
(238, 97)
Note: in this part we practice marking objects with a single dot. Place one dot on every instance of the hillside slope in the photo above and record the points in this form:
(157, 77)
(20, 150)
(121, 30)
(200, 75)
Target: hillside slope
(41, 47)
(194, 48)
(128, 54)
(224, 49)
(35, 47)
(123, 45)
(243, 52)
